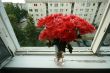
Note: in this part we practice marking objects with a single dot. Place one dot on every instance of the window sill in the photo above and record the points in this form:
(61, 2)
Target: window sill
(70, 62)
(51, 51)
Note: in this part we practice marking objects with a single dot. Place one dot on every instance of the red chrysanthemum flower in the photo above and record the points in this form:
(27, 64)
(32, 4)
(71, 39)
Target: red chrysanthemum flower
(63, 27)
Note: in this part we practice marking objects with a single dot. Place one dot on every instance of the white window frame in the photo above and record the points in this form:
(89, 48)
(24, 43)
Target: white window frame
(7, 25)
(101, 29)
(7, 33)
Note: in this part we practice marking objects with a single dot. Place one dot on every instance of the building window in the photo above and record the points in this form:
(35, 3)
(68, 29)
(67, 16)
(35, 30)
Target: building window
(36, 10)
(93, 4)
(35, 4)
(100, 14)
(61, 10)
(41, 14)
(92, 9)
(88, 4)
(62, 4)
(56, 5)
(30, 10)
(81, 9)
(50, 4)
(66, 9)
(56, 10)
(86, 10)
(85, 14)
(37, 14)
(83, 4)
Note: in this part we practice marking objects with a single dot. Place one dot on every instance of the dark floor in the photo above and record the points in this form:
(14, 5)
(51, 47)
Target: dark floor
(52, 70)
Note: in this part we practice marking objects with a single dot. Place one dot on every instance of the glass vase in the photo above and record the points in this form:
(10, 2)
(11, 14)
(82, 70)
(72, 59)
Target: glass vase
(59, 56)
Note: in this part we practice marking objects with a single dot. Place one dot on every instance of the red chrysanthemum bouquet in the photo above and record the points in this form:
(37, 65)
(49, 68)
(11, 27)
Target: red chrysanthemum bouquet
(61, 29)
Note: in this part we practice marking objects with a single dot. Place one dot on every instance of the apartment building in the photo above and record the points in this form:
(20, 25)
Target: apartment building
(90, 10)
(36, 10)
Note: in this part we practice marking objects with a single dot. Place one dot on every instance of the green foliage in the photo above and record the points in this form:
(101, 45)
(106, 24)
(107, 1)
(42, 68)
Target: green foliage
(10, 9)
(27, 36)
(24, 13)
(16, 11)
(32, 33)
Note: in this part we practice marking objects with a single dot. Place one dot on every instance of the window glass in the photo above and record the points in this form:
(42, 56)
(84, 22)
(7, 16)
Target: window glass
(26, 16)
(4, 53)
(30, 10)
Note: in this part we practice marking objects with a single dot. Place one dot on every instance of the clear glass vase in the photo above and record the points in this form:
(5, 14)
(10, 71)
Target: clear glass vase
(59, 56)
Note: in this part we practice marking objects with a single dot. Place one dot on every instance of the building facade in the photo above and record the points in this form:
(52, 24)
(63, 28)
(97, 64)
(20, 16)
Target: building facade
(90, 10)
(36, 10)
(100, 12)
(64, 8)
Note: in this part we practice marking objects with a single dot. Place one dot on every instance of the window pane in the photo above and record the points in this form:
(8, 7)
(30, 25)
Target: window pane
(24, 19)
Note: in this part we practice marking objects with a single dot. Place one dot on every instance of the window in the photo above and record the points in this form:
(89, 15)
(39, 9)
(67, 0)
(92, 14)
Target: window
(37, 14)
(41, 14)
(86, 10)
(83, 4)
(92, 9)
(30, 10)
(85, 14)
(36, 10)
(31, 14)
(61, 10)
(56, 10)
(79, 43)
(35, 4)
(93, 4)
(81, 9)
(66, 9)
(88, 4)
(56, 5)
(100, 14)
(62, 4)
(50, 4)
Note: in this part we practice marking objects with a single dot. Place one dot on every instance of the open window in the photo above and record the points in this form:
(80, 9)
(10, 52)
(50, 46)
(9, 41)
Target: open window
(91, 11)
(5, 54)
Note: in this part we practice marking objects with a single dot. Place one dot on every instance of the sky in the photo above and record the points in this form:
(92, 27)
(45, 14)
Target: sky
(14, 1)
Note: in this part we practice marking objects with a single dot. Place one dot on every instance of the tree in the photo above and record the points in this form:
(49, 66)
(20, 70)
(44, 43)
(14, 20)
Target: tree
(24, 13)
(10, 9)
(17, 12)
(27, 36)
(30, 32)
